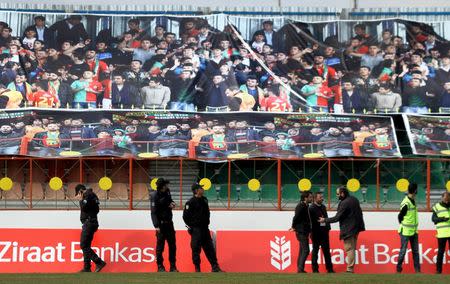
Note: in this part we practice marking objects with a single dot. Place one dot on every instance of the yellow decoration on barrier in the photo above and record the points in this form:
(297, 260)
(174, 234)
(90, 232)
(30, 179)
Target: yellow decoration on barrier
(70, 154)
(447, 186)
(105, 183)
(205, 183)
(353, 185)
(6, 184)
(304, 184)
(313, 155)
(153, 183)
(254, 184)
(148, 155)
(238, 156)
(55, 183)
(402, 185)
(445, 152)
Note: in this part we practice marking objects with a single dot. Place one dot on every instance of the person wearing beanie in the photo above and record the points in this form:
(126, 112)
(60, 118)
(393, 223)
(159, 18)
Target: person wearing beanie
(196, 216)
(161, 205)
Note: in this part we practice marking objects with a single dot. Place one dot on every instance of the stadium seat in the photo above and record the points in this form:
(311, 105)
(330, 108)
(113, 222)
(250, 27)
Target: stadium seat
(119, 191)
(243, 193)
(14, 194)
(54, 194)
(141, 192)
(36, 192)
(290, 193)
(269, 193)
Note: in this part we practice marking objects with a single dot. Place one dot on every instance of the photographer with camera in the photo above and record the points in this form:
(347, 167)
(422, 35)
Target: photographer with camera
(196, 216)
(89, 208)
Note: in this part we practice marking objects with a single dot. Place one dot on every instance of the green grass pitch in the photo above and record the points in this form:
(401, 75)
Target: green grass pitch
(217, 278)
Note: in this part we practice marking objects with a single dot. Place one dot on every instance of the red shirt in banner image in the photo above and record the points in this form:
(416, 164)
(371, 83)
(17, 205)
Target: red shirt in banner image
(277, 104)
(96, 86)
(323, 92)
(107, 88)
(363, 49)
(43, 99)
(97, 66)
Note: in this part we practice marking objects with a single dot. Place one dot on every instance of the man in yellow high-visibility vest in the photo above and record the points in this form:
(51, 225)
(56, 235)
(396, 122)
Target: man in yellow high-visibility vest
(408, 229)
(441, 218)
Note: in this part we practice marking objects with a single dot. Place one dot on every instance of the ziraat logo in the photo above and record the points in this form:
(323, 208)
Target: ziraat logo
(15, 252)
(280, 253)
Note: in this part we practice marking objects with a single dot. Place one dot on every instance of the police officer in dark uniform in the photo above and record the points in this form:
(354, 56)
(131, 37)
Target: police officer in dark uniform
(89, 207)
(196, 216)
(320, 234)
(161, 205)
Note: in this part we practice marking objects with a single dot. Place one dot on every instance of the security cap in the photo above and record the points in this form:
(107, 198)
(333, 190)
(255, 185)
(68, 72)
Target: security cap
(195, 187)
(161, 182)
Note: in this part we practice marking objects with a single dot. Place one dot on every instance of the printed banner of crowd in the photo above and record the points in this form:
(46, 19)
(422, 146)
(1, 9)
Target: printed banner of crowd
(218, 62)
(428, 135)
(205, 136)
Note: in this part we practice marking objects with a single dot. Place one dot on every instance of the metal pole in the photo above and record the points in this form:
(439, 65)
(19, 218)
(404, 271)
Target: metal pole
(229, 183)
(329, 184)
(378, 184)
(30, 162)
(181, 183)
(279, 183)
(130, 180)
(428, 184)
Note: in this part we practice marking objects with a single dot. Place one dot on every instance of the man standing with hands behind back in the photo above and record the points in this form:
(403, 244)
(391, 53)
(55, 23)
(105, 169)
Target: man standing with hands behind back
(301, 224)
(196, 217)
(161, 205)
(351, 223)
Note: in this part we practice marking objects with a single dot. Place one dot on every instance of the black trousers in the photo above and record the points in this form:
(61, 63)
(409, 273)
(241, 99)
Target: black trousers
(303, 252)
(441, 251)
(87, 235)
(166, 234)
(201, 239)
(321, 240)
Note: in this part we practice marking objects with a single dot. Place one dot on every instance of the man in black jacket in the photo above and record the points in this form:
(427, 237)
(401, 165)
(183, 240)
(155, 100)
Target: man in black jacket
(353, 99)
(351, 223)
(9, 140)
(70, 29)
(320, 233)
(301, 224)
(171, 143)
(196, 216)
(89, 208)
(161, 205)
(43, 33)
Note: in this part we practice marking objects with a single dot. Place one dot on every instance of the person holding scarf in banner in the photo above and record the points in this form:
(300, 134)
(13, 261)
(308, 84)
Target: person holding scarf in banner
(96, 66)
(85, 91)
(331, 79)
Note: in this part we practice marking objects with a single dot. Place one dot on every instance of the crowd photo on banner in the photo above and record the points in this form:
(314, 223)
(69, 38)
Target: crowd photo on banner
(209, 136)
(202, 64)
(428, 135)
